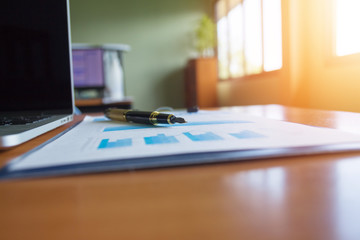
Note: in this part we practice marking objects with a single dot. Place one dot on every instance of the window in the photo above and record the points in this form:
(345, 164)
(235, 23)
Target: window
(347, 34)
(249, 37)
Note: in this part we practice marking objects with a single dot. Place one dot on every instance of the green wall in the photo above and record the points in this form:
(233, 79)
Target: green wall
(160, 35)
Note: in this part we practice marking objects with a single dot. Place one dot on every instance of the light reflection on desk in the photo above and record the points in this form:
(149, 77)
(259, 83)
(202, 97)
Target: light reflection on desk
(347, 195)
(269, 181)
(265, 189)
(317, 196)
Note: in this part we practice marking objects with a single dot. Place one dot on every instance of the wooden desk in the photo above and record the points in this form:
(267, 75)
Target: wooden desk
(309, 197)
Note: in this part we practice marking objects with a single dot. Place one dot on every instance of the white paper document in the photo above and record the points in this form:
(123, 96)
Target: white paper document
(98, 139)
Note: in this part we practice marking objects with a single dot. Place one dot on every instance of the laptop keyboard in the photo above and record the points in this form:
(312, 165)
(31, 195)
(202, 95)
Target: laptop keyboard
(22, 120)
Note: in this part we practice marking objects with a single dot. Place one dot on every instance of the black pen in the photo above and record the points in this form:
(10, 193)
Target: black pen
(133, 116)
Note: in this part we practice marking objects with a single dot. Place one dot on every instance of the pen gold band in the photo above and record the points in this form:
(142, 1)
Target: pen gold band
(117, 114)
(124, 115)
(169, 118)
(153, 117)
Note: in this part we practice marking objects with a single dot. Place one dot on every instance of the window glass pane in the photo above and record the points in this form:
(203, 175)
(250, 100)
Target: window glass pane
(236, 42)
(347, 27)
(253, 36)
(272, 35)
(223, 50)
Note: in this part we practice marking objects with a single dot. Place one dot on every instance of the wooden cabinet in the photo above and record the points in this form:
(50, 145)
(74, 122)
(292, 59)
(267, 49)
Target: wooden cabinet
(201, 80)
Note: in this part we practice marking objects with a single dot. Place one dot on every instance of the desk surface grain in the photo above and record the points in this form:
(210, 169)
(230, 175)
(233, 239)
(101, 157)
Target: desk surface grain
(309, 197)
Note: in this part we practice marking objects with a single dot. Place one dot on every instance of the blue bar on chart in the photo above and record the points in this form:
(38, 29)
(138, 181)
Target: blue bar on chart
(208, 136)
(213, 123)
(133, 127)
(160, 139)
(246, 134)
(126, 127)
(101, 119)
(105, 143)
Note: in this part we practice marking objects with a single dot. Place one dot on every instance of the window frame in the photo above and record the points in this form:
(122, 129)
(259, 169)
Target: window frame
(330, 49)
(263, 73)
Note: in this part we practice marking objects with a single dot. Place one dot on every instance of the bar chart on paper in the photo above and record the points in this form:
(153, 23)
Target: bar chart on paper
(98, 139)
(178, 138)
(168, 139)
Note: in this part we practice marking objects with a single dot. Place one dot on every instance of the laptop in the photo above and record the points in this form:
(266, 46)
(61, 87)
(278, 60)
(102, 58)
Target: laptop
(36, 89)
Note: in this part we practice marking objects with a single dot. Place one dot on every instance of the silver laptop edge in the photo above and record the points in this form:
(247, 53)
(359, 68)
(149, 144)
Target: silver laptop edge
(70, 54)
(9, 141)
(16, 139)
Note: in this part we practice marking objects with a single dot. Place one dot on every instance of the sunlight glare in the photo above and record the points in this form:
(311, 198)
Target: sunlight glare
(253, 36)
(272, 35)
(347, 27)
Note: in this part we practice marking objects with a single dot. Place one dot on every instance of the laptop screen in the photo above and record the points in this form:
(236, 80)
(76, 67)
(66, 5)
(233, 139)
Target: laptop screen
(35, 67)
